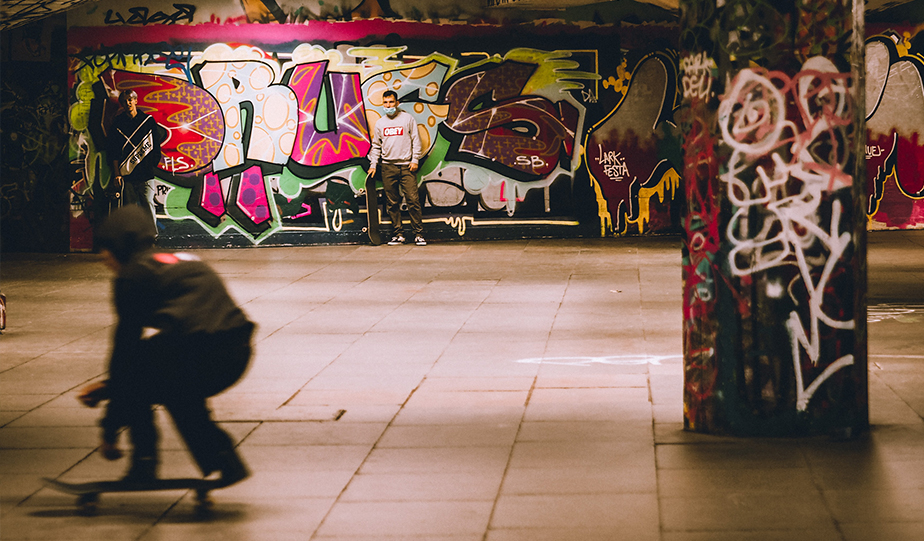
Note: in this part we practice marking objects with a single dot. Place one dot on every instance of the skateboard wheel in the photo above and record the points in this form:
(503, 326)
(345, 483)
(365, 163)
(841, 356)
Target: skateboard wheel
(87, 504)
(203, 503)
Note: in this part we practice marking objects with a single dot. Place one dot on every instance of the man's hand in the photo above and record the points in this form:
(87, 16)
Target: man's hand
(92, 394)
(413, 168)
(371, 172)
(110, 451)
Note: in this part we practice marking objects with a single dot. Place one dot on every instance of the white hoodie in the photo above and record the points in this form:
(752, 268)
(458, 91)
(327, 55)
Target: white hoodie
(395, 140)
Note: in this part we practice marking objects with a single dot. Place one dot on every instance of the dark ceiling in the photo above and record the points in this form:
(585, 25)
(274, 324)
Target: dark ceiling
(15, 13)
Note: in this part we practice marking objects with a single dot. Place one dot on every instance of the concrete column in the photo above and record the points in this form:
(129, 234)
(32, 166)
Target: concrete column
(774, 254)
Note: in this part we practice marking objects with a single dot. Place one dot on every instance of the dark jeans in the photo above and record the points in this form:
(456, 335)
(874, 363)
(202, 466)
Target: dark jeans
(393, 178)
(181, 374)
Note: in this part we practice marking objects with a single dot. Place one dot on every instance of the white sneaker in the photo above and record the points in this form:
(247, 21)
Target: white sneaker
(396, 240)
(419, 241)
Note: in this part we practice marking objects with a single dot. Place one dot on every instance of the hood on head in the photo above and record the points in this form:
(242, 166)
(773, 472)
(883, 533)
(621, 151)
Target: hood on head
(125, 232)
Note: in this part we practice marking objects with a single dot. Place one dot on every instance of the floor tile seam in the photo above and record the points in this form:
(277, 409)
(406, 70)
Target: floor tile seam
(743, 530)
(581, 493)
(417, 500)
(820, 491)
(372, 448)
(316, 306)
(54, 397)
(500, 487)
(339, 355)
(896, 393)
(36, 491)
(21, 414)
(61, 346)
(654, 449)
(160, 518)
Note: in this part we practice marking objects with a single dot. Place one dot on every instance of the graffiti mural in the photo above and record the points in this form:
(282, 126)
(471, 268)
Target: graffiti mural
(631, 141)
(268, 143)
(895, 142)
(34, 177)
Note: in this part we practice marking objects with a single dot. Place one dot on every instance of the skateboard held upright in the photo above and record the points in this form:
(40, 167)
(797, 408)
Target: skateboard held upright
(372, 211)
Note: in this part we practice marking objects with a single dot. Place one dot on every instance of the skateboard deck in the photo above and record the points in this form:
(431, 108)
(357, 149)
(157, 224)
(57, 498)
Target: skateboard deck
(372, 211)
(88, 493)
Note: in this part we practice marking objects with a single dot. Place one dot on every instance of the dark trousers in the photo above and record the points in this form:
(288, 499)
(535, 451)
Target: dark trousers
(397, 179)
(181, 374)
(207, 443)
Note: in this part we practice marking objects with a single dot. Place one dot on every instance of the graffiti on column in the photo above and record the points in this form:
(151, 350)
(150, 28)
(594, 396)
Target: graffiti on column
(701, 243)
(894, 121)
(783, 179)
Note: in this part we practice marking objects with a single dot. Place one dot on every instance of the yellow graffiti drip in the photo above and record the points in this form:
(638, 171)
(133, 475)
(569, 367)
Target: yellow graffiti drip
(670, 181)
(458, 223)
(606, 219)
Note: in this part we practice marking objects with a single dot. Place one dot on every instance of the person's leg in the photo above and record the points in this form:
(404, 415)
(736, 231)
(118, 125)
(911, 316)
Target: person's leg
(412, 197)
(391, 181)
(150, 189)
(205, 441)
(131, 194)
(210, 446)
(138, 403)
(143, 435)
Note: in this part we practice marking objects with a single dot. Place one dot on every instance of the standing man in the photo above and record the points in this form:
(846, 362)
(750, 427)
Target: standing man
(134, 148)
(395, 140)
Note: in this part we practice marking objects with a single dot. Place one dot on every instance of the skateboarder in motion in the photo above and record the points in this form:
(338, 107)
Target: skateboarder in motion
(179, 340)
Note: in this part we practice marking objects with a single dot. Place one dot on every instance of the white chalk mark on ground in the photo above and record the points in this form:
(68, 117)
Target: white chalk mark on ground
(622, 360)
(903, 313)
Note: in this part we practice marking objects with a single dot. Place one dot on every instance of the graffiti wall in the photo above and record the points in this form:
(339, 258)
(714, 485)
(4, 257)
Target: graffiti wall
(34, 177)
(773, 264)
(547, 131)
(895, 128)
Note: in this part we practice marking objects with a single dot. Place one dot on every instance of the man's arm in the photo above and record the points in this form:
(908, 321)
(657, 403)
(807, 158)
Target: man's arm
(415, 144)
(114, 149)
(158, 135)
(376, 149)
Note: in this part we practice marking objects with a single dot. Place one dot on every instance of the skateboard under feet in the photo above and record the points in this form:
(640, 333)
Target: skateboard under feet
(88, 493)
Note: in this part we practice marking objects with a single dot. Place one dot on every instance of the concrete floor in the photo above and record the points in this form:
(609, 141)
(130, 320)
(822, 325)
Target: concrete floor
(492, 391)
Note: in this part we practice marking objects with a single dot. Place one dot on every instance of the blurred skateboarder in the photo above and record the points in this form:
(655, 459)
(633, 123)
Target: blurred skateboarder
(179, 339)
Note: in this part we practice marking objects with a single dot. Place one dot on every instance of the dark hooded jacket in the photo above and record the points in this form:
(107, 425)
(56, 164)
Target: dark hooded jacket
(176, 298)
